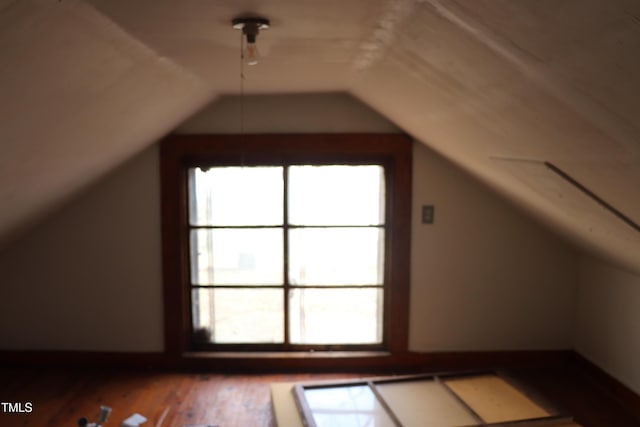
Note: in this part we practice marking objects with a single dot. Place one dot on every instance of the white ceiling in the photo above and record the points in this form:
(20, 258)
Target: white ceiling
(498, 86)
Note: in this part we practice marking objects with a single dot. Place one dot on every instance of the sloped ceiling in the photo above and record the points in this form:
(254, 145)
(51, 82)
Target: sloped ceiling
(498, 86)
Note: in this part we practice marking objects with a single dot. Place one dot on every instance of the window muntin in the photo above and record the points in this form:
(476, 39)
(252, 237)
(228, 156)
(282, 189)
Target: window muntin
(322, 226)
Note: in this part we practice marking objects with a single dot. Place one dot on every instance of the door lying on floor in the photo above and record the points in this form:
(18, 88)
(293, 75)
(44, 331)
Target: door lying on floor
(476, 399)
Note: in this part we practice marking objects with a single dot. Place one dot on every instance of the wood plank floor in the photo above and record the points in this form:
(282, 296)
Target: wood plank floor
(60, 397)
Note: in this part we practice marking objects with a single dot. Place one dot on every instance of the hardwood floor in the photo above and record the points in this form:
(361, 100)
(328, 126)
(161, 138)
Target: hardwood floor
(578, 395)
(167, 399)
(61, 397)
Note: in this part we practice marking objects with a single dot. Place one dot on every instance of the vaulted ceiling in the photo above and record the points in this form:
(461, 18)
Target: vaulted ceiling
(500, 87)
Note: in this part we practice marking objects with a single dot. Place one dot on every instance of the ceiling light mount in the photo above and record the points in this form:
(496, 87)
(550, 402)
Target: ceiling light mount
(240, 22)
(250, 26)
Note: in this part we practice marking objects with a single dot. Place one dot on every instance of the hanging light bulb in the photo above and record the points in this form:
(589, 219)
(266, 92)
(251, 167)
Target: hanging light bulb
(250, 29)
(251, 54)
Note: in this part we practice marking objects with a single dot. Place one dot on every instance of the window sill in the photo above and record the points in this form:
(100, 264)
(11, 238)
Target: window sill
(302, 361)
(285, 355)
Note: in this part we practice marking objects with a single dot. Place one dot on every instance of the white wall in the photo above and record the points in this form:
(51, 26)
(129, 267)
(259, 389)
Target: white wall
(484, 276)
(89, 277)
(295, 113)
(608, 320)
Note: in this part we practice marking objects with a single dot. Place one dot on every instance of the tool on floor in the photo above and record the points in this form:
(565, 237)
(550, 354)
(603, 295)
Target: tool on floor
(102, 417)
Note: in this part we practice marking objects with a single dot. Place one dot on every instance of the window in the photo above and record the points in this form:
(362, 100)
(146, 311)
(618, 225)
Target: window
(466, 399)
(286, 243)
(290, 254)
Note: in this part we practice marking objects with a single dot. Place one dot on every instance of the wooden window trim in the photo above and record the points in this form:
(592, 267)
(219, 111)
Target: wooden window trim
(179, 152)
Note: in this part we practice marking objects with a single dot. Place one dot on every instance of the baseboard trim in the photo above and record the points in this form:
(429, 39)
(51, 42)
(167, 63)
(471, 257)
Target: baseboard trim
(618, 391)
(83, 359)
(278, 362)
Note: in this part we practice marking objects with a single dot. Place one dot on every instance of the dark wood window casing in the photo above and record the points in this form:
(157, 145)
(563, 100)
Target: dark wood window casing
(178, 153)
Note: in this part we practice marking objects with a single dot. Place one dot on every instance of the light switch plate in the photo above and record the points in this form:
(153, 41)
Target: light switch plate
(428, 213)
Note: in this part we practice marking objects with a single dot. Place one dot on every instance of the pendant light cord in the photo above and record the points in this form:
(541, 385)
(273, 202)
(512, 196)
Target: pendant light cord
(241, 83)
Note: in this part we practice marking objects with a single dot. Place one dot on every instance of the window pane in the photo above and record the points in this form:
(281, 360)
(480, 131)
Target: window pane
(336, 256)
(494, 399)
(427, 402)
(236, 196)
(336, 195)
(238, 315)
(346, 406)
(335, 316)
(237, 256)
